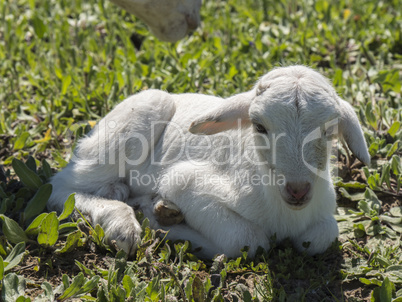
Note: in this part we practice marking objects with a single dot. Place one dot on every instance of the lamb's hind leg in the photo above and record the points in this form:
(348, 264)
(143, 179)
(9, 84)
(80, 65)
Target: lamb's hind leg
(97, 172)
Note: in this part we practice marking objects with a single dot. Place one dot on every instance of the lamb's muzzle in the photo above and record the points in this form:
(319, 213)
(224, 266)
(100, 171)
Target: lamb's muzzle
(299, 196)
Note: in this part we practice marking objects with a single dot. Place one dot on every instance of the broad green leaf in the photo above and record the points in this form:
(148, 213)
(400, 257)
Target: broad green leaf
(365, 207)
(66, 81)
(372, 200)
(49, 230)
(370, 116)
(84, 269)
(101, 294)
(6, 203)
(23, 299)
(68, 207)
(3, 249)
(66, 281)
(26, 175)
(366, 172)
(39, 26)
(351, 185)
(48, 291)
(373, 149)
(120, 264)
(383, 293)
(74, 288)
(79, 286)
(353, 197)
(370, 281)
(13, 287)
(392, 220)
(14, 233)
(73, 240)
(15, 256)
(47, 171)
(90, 285)
(397, 227)
(392, 81)
(38, 203)
(394, 268)
(1, 268)
(128, 285)
(232, 72)
(34, 227)
(393, 149)
(2, 193)
(394, 129)
(67, 225)
(31, 163)
(337, 78)
(396, 165)
(59, 159)
(385, 177)
(98, 234)
(153, 289)
(247, 297)
(372, 182)
(359, 230)
(396, 211)
(198, 290)
(20, 142)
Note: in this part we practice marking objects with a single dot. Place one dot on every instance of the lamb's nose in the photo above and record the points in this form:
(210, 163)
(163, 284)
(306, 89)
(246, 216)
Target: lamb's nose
(298, 190)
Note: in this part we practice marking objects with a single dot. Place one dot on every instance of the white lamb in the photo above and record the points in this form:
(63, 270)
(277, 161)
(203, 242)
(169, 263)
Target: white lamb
(238, 170)
(168, 20)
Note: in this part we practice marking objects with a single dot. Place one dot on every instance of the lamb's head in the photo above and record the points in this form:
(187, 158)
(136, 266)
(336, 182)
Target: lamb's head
(168, 20)
(294, 113)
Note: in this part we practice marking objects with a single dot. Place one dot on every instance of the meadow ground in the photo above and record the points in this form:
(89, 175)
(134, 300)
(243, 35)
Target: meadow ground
(65, 64)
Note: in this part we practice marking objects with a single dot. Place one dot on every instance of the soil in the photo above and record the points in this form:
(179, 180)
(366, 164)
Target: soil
(50, 267)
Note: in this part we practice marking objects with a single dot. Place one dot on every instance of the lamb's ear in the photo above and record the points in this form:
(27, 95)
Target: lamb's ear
(351, 131)
(230, 114)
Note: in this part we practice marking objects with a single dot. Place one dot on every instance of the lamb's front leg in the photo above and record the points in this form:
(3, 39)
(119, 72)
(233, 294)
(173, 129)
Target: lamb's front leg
(104, 206)
(116, 218)
(318, 237)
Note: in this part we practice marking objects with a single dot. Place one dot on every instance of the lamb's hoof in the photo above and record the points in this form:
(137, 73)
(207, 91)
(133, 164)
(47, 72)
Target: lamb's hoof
(167, 213)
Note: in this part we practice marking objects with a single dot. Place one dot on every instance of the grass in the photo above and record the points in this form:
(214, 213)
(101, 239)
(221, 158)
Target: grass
(65, 64)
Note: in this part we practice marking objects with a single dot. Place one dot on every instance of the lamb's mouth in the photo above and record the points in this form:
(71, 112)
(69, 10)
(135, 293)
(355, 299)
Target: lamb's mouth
(296, 204)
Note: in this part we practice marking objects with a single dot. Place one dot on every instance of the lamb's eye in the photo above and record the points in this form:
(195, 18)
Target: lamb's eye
(260, 128)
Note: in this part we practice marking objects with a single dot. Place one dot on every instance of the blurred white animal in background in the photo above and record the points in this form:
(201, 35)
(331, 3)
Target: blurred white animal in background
(168, 20)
